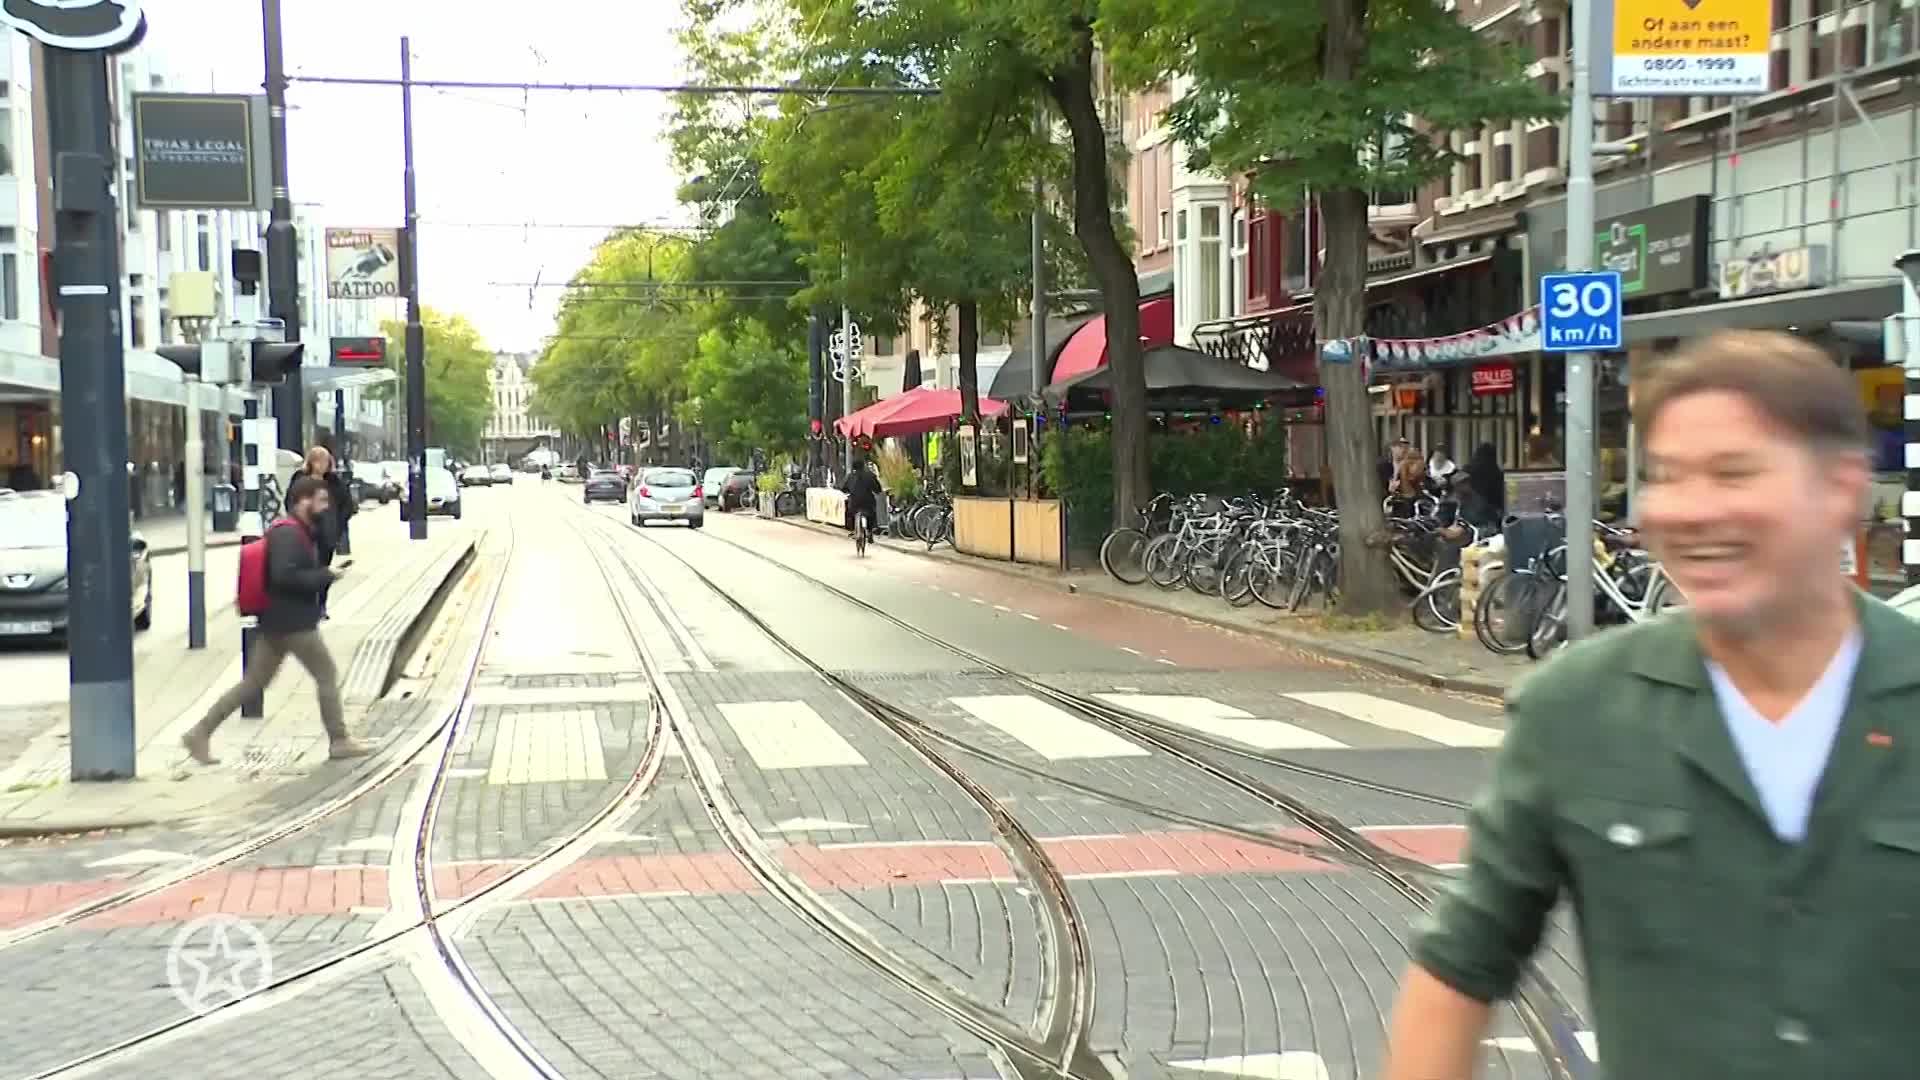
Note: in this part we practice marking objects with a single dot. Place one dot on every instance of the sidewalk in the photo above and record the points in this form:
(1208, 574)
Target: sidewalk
(166, 534)
(1446, 662)
(394, 583)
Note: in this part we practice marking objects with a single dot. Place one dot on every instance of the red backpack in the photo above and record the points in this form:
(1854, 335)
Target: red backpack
(252, 598)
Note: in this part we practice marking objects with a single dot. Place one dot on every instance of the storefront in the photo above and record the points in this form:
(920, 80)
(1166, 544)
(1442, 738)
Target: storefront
(27, 449)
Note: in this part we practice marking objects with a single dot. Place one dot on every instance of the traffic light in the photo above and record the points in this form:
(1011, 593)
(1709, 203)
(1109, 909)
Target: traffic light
(211, 361)
(272, 362)
(816, 426)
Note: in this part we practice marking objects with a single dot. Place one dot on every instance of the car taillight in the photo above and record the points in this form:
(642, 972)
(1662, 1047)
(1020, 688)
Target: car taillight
(696, 491)
(644, 493)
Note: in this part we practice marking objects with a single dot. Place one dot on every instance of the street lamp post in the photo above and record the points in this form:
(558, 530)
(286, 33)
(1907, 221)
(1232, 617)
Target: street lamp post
(1580, 374)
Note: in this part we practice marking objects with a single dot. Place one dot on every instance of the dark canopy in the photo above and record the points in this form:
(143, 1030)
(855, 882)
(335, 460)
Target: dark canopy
(1175, 369)
(1012, 381)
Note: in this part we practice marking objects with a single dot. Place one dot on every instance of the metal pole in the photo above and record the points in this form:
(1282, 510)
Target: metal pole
(93, 394)
(1580, 381)
(283, 258)
(846, 379)
(416, 334)
(1909, 266)
(196, 519)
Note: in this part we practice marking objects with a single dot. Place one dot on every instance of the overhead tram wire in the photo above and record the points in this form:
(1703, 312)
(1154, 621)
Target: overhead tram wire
(812, 38)
(623, 88)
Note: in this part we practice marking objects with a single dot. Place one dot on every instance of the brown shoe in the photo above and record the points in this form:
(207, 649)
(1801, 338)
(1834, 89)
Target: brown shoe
(198, 748)
(348, 748)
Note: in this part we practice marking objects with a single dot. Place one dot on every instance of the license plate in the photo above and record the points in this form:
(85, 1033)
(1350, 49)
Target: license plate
(676, 511)
(18, 627)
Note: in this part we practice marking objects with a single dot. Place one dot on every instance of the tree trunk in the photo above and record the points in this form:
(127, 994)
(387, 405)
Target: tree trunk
(1071, 87)
(969, 333)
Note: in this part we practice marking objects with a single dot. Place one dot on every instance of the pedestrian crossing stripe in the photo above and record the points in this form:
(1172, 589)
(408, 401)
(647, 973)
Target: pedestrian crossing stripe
(1210, 717)
(788, 735)
(1046, 729)
(546, 747)
(1399, 716)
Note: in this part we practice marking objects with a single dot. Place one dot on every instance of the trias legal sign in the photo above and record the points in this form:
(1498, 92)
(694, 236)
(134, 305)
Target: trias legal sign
(200, 152)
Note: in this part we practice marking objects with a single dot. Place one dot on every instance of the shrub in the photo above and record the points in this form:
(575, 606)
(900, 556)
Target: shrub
(897, 474)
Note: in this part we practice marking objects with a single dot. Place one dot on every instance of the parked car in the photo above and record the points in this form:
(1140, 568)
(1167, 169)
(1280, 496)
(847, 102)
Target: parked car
(502, 473)
(476, 476)
(604, 485)
(370, 483)
(667, 495)
(737, 491)
(443, 495)
(566, 471)
(33, 567)
(712, 481)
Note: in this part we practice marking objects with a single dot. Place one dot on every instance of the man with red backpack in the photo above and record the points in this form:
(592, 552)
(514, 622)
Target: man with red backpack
(282, 582)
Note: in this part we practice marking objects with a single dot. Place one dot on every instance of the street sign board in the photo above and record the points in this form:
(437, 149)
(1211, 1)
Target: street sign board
(363, 264)
(1683, 48)
(200, 152)
(89, 25)
(1580, 312)
(359, 351)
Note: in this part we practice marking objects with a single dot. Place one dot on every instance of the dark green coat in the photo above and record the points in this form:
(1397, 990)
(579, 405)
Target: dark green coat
(1713, 950)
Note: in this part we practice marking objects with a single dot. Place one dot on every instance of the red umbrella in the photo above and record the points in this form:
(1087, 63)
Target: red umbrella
(922, 411)
(855, 423)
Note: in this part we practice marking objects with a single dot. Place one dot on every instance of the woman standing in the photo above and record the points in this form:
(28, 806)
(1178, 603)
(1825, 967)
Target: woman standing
(331, 534)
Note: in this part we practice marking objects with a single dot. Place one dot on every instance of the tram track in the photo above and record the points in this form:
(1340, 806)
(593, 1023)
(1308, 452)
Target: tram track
(1542, 1009)
(424, 935)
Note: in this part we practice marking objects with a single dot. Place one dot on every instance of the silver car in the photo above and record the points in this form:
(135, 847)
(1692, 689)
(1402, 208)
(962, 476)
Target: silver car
(666, 495)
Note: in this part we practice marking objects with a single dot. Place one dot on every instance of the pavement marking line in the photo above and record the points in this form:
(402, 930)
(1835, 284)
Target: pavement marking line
(1525, 1045)
(366, 843)
(1129, 649)
(813, 824)
(1059, 626)
(1047, 729)
(1110, 875)
(965, 881)
(1164, 660)
(561, 695)
(849, 845)
(1003, 607)
(1214, 718)
(1286, 1065)
(143, 857)
(535, 748)
(788, 735)
(1398, 716)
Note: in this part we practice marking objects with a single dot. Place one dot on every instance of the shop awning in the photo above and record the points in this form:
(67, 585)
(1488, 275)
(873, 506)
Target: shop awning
(1810, 307)
(1086, 350)
(1013, 380)
(1176, 369)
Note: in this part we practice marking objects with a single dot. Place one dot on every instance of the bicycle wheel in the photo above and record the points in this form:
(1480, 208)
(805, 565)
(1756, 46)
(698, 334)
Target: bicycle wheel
(1271, 576)
(786, 504)
(1204, 569)
(1506, 611)
(924, 522)
(1549, 632)
(1165, 561)
(1663, 597)
(1123, 555)
(1236, 584)
(1437, 608)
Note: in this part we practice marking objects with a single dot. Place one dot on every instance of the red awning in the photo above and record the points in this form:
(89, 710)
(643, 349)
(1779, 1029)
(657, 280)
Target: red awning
(1086, 350)
(854, 423)
(915, 412)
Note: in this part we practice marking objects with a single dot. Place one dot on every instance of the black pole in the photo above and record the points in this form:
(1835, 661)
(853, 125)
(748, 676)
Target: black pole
(283, 259)
(416, 335)
(93, 396)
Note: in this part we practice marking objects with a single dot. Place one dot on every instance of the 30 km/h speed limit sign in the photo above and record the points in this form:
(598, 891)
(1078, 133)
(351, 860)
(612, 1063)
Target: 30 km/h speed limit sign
(1580, 312)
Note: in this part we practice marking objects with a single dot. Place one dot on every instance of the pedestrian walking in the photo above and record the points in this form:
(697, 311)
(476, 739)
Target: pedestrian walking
(295, 581)
(1725, 793)
(330, 528)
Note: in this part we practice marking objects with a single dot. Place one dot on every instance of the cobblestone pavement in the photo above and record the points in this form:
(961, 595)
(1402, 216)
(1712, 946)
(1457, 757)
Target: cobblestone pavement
(1222, 936)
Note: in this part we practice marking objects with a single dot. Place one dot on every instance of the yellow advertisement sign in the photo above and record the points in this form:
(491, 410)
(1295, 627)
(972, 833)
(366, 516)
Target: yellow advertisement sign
(1687, 47)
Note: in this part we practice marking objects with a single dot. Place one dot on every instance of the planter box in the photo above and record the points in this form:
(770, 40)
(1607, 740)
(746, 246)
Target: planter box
(763, 505)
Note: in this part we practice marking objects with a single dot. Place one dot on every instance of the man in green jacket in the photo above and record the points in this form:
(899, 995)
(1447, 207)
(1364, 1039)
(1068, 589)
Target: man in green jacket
(1729, 796)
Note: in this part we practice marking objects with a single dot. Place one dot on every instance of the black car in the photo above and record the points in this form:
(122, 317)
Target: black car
(737, 491)
(607, 485)
(33, 567)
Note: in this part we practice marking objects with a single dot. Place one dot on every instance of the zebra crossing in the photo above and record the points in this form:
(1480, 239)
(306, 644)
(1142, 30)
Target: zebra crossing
(794, 735)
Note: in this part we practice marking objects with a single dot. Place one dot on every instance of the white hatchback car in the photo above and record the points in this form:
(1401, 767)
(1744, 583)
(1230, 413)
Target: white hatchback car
(666, 494)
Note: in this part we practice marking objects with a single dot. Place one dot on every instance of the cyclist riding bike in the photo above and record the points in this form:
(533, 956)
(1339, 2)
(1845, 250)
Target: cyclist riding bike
(863, 500)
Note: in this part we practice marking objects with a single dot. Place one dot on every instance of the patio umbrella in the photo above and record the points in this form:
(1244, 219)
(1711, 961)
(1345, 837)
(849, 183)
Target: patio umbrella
(923, 411)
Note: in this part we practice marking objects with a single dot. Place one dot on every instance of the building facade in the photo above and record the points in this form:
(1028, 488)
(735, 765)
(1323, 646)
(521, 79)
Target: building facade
(514, 431)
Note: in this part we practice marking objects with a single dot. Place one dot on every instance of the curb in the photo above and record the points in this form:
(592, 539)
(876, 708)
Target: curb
(372, 671)
(72, 828)
(1311, 646)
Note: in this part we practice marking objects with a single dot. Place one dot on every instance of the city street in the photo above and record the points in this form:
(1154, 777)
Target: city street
(731, 802)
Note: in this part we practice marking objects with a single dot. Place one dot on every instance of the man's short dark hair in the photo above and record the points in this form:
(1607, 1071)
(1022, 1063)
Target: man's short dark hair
(1793, 382)
(304, 487)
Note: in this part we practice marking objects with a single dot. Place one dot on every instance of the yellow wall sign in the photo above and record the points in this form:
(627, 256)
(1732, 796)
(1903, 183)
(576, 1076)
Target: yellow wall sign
(1685, 47)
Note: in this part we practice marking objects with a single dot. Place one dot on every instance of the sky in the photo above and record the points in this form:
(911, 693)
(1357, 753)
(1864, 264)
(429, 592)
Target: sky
(481, 157)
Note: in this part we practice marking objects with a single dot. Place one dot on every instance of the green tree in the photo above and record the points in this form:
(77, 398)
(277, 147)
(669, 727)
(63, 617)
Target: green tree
(1343, 98)
(999, 65)
(747, 390)
(457, 362)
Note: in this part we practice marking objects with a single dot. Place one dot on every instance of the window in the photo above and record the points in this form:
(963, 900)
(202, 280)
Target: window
(6, 142)
(1212, 264)
(133, 204)
(137, 320)
(882, 346)
(166, 326)
(9, 285)
(164, 221)
(203, 247)
(1165, 233)
(1296, 251)
(1237, 290)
